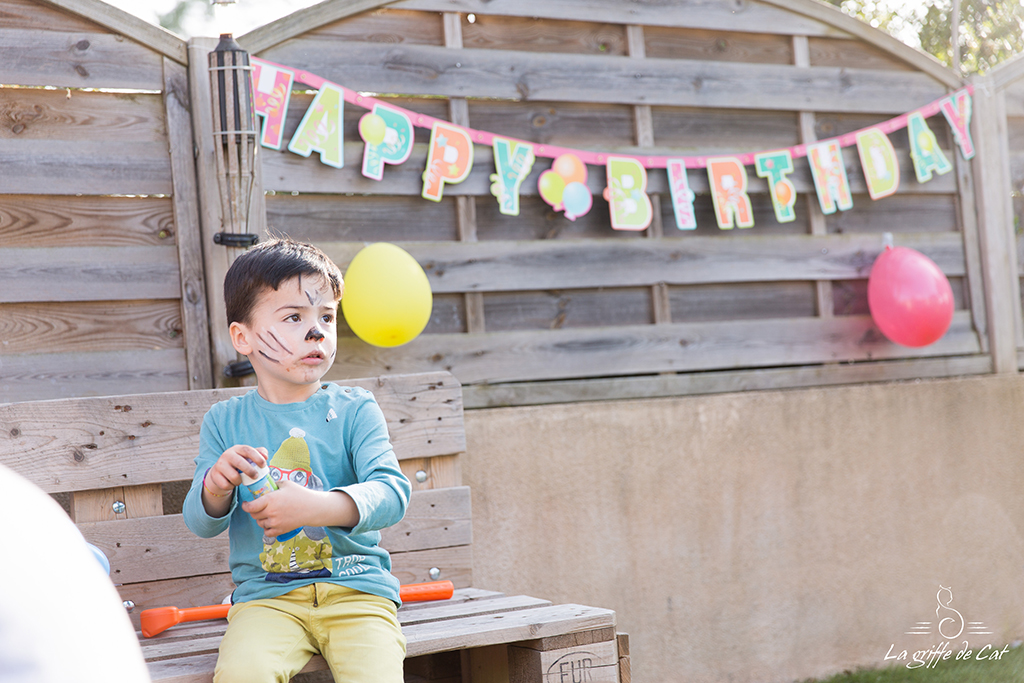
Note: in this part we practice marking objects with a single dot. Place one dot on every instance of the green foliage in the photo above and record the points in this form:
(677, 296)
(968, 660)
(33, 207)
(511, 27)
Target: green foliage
(990, 32)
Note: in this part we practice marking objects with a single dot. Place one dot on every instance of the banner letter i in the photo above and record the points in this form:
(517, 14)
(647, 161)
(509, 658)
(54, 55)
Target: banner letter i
(682, 195)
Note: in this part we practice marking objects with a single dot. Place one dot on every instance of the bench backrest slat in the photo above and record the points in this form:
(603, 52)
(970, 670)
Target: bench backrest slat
(79, 444)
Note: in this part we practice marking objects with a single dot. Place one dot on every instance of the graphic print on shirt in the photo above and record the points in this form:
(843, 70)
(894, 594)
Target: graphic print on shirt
(305, 552)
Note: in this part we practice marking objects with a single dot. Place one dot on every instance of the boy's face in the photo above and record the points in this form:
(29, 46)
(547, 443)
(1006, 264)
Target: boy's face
(291, 340)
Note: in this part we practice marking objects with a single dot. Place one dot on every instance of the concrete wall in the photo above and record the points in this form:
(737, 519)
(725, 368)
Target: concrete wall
(763, 536)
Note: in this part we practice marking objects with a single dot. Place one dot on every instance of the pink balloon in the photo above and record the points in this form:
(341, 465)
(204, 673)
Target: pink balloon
(910, 298)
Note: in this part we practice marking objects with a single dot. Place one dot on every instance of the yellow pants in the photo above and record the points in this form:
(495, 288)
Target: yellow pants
(271, 640)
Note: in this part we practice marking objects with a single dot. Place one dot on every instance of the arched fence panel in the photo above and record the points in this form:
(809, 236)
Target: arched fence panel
(101, 285)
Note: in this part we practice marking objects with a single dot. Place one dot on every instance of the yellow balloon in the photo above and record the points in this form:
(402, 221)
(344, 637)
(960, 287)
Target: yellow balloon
(387, 299)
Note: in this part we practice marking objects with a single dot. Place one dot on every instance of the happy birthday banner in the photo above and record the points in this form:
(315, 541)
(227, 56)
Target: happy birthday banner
(388, 132)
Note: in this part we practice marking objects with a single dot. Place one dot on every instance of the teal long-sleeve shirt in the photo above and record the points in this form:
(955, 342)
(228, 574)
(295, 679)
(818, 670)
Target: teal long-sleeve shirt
(337, 440)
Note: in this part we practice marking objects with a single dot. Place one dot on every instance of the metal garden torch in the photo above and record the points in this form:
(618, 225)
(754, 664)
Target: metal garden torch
(235, 143)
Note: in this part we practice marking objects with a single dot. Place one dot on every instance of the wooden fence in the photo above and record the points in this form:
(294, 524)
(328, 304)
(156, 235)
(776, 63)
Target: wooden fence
(536, 308)
(106, 224)
(101, 282)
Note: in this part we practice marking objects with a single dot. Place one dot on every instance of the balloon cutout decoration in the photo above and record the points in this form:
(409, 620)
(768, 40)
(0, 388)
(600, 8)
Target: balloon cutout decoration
(564, 186)
(387, 299)
(909, 297)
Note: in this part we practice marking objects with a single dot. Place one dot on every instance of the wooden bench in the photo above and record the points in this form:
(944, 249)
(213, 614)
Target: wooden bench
(122, 464)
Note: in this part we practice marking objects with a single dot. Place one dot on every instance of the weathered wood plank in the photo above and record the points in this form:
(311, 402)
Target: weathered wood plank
(583, 78)
(77, 60)
(29, 14)
(495, 266)
(382, 25)
(159, 548)
(436, 518)
(695, 130)
(37, 114)
(89, 274)
(530, 34)
(45, 376)
(455, 564)
(125, 440)
(85, 167)
(853, 53)
(89, 326)
(677, 347)
(743, 301)
(330, 218)
(505, 627)
(459, 609)
(128, 25)
(568, 124)
(559, 309)
(688, 384)
(195, 318)
(52, 221)
(718, 46)
(718, 15)
(216, 259)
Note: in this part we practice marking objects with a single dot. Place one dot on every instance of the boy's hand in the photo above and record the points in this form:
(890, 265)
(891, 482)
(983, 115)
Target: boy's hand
(283, 510)
(226, 473)
(293, 506)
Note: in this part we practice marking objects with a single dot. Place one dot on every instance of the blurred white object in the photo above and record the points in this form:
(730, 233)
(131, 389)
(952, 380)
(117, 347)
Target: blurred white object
(61, 618)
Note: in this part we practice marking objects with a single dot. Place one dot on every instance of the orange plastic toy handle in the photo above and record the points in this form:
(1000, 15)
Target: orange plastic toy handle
(421, 592)
(159, 619)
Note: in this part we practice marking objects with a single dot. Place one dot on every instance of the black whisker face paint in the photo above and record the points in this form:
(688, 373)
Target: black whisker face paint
(268, 344)
(272, 360)
(273, 333)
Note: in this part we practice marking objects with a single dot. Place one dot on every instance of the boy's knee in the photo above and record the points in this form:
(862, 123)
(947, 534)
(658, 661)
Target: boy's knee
(251, 666)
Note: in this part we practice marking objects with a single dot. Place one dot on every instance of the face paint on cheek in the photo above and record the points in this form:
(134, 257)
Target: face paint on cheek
(273, 334)
(272, 360)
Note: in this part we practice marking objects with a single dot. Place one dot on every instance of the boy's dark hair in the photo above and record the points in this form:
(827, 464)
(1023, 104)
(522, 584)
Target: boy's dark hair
(266, 266)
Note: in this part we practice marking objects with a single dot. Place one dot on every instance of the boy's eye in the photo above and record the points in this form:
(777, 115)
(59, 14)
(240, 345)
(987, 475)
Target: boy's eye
(327, 318)
(293, 318)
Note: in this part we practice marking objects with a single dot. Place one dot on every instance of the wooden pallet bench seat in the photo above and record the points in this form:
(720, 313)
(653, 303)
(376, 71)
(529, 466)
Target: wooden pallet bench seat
(122, 464)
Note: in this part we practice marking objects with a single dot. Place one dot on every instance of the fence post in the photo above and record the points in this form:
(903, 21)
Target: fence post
(216, 258)
(995, 225)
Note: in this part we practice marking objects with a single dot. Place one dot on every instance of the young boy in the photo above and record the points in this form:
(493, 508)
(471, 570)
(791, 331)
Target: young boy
(308, 572)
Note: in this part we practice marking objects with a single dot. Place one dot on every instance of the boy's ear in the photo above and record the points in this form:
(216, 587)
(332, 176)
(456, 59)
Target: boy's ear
(241, 338)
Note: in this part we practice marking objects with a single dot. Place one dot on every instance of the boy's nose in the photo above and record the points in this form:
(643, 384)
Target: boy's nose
(314, 335)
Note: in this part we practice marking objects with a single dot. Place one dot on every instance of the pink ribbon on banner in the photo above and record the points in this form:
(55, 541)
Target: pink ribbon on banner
(600, 158)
